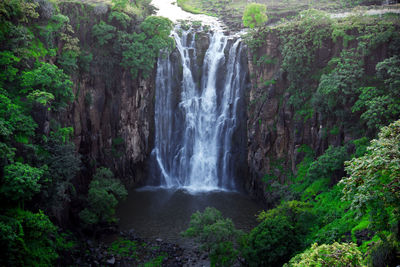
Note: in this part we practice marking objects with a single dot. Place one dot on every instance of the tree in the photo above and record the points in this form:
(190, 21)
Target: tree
(140, 51)
(48, 78)
(281, 232)
(381, 105)
(374, 179)
(21, 182)
(104, 193)
(29, 239)
(254, 15)
(328, 164)
(336, 254)
(340, 88)
(217, 235)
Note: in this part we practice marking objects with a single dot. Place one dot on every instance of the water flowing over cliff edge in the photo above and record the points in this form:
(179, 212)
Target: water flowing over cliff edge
(199, 111)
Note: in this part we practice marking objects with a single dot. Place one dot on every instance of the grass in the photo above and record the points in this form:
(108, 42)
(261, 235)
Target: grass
(231, 11)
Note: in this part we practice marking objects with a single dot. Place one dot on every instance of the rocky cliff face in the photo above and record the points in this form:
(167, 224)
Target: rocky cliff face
(112, 113)
(274, 131)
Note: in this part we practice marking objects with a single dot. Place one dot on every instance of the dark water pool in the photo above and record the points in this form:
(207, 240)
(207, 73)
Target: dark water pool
(164, 213)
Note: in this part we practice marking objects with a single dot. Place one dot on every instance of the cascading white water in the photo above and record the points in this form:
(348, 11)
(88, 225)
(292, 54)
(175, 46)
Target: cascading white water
(196, 115)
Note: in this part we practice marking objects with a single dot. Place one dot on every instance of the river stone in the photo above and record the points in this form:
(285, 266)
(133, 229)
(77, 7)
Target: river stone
(111, 261)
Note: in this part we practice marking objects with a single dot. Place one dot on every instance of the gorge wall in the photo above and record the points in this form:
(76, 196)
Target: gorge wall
(112, 113)
(276, 127)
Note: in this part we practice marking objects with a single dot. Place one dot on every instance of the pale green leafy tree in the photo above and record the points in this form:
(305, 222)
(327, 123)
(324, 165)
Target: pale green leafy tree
(374, 179)
(254, 15)
(336, 254)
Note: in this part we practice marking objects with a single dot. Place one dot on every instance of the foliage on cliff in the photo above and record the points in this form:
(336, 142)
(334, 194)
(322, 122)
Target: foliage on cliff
(40, 53)
(340, 75)
(137, 51)
(355, 222)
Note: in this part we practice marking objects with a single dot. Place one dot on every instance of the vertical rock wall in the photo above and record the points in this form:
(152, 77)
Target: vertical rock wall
(113, 113)
(274, 134)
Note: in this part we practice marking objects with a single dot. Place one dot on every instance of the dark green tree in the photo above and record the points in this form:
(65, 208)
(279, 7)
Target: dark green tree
(279, 235)
(104, 193)
(216, 234)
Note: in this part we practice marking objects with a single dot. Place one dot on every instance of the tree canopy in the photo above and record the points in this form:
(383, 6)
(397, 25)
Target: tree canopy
(254, 15)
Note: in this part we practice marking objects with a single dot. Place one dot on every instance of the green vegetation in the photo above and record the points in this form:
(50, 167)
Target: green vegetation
(344, 87)
(141, 50)
(281, 232)
(374, 179)
(343, 254)
(29, 160)
(40, 59)
(231, 12)
(254, 15)
(138, 51)
(355, 221)
(353, 92)
(29, 239)
(104, 194)
(124, 248)
(216, 235)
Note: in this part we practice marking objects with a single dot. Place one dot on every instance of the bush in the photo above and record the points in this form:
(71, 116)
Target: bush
(329, 164)
(21, 182)
(216, 235)
(374, 179)
(49, 78)
(29, 239)
(104, 193)
(339, 89)
(336, 254)
(140, 51)
(63, 164)
(281, 233)
(381, 105)
(103, 32)
(254, 15)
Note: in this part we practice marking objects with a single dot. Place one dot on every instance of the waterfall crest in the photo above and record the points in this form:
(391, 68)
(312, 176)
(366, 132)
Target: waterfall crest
(197, 110)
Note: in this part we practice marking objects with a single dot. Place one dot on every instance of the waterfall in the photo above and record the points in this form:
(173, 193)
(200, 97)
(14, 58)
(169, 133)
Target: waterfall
(196, 112)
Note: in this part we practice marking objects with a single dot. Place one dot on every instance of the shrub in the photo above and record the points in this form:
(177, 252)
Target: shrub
(68, 61)
(374, 179)
(14, 124)
(124, 248)
(328, 164)
(280, 234)
(140, 51)
(21, 182)
(254, 15)
(103, 32)
(336, 254)
(380, 105)
(120, 17)
(29, 239)
(47, 77)
(216, 235)
(339, 89)
(104, 193)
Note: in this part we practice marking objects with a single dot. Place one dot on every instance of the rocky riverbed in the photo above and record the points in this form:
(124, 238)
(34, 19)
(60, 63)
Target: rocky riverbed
(127, 248)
